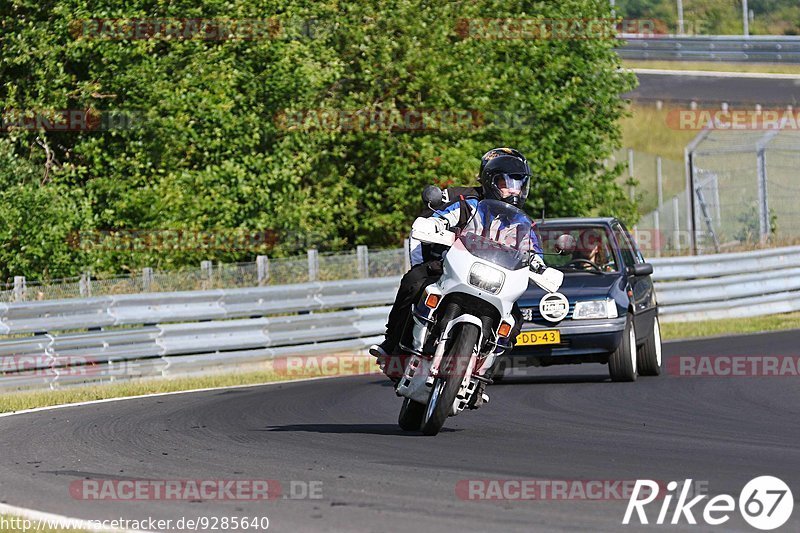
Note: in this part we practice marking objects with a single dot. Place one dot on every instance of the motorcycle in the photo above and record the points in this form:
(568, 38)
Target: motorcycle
(462, 322)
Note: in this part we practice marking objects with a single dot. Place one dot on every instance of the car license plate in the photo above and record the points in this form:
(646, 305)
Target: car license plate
(545, 336)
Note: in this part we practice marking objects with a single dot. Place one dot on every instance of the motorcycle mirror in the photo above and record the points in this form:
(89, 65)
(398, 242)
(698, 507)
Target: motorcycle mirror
(565, 244)
(550, 280)
(432, 196)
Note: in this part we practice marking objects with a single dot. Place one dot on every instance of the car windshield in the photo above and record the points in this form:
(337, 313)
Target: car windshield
(593, 249)
(498, 233)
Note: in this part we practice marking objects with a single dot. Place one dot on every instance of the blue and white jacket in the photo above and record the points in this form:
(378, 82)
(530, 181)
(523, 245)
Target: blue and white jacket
(452, 215)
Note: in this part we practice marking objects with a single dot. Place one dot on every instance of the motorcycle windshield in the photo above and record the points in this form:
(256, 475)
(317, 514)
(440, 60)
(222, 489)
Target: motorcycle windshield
(498, 233)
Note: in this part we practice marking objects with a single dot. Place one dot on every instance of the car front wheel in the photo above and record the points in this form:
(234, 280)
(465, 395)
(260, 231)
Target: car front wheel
(622, 363)
(649, 354)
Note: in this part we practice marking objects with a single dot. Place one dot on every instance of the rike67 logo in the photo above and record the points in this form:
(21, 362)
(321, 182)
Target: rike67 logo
(765, 503)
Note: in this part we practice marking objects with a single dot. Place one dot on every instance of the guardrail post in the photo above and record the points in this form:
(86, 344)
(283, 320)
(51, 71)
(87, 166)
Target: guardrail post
(362, 254)
(262, 267)
(85, 285)
(19, 288)
(147, 279)
(406, 255)
(313, 265)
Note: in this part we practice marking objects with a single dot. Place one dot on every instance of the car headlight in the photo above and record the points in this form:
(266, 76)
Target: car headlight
(486, 278)
(595, 309)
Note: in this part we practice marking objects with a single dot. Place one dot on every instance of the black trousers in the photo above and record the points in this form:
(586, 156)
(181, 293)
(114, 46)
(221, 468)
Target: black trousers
(411, 286)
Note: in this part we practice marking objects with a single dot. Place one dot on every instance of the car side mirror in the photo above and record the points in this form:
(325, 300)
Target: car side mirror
(432, 197)
(641, 269)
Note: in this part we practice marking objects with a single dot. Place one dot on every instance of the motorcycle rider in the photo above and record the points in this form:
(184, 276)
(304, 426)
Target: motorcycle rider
(504, 175)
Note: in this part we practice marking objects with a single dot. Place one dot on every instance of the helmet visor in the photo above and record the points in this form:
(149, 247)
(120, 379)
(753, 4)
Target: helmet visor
(512, 184)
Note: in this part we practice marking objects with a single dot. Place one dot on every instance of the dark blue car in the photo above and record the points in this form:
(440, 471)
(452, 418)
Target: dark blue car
(605, 311)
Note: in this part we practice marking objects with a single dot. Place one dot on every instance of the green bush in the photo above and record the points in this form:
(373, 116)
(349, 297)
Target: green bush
(208, 146)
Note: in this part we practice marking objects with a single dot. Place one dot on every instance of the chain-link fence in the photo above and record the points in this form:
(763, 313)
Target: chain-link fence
(658, 178)
(744, 193)
(314, 266)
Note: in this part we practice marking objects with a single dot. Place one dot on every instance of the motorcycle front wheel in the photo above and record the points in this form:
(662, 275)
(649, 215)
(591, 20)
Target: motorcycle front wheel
(411, 415)
(445, 387)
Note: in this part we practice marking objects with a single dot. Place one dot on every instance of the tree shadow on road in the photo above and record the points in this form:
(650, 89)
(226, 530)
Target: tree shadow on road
(369, 429)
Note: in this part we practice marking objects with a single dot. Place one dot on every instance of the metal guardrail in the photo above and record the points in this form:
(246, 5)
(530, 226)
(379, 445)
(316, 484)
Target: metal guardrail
(731, 285)
(773, 49)
(154, 308)
(162, 334)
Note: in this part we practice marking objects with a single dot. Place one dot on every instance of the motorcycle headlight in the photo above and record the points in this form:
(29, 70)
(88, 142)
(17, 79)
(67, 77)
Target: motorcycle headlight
(486, 278)
(595, 309)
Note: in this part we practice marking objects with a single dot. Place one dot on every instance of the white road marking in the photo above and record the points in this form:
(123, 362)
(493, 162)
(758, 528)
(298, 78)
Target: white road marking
(40, 519)
(157, 394)
(715, 74)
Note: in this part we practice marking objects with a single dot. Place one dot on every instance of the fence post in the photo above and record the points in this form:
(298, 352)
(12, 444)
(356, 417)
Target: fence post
(763, 203)
(147, 279)
(362, 255)
(407, 254)
(262, 266)
(659, 182)
(19, 288)
(85, 285)
(313, 265)
(676, 223)
(656, 239)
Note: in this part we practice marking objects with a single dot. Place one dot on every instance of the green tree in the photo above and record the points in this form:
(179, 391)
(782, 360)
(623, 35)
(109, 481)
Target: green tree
(208, 147)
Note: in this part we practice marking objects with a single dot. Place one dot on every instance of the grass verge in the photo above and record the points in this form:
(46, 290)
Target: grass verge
(714, 66)
(307, 368)
(647, 129)
(711, 328)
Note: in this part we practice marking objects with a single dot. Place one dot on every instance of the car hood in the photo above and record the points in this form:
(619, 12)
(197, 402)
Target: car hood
(576, 286)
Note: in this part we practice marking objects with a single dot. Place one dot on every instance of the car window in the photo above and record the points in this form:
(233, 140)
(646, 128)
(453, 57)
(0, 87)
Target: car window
(593, 246)
(626, 248)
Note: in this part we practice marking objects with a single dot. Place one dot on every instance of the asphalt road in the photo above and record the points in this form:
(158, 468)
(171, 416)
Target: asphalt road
(561, 423)
(714, 90)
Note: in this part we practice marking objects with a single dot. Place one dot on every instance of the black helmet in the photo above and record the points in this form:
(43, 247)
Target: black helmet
(505, 169)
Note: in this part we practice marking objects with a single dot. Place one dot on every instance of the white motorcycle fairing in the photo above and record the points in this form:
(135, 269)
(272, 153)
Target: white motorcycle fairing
(458, 262)
(488, 264)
